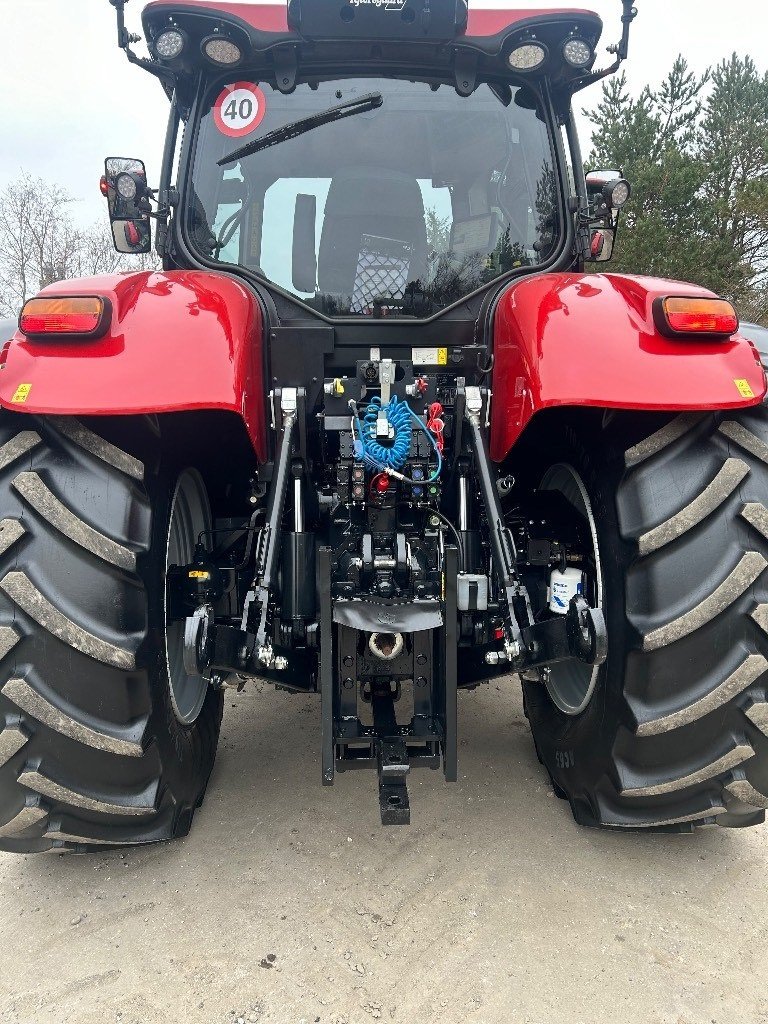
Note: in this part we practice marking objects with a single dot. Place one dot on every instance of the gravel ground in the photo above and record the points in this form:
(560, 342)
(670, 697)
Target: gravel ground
(289, 902)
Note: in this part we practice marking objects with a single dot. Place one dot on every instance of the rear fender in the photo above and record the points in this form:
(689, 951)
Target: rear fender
(178, 341)
(590, 340)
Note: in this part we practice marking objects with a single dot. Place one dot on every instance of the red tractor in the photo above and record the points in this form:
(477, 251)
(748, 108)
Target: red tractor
(375, 433)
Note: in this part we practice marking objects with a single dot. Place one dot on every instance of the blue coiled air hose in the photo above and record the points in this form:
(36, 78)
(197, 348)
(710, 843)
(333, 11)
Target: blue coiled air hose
(395, 455)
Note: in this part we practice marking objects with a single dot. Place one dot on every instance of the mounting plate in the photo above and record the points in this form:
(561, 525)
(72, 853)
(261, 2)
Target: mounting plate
(378, 20)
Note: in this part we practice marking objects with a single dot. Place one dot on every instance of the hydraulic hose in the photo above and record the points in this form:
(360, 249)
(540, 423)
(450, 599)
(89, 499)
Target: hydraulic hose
(392, 457)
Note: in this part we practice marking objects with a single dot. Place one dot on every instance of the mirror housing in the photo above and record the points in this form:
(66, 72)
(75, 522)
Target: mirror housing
(607, 193)
(125, 186)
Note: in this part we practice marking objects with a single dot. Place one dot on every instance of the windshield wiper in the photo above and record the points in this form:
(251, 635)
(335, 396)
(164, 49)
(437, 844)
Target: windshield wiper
(370, 101)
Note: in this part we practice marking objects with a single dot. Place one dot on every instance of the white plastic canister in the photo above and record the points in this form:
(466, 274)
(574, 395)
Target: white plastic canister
(562, 587)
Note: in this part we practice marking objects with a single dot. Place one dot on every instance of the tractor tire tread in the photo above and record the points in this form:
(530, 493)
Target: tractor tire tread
(676, 736)
(89, 749)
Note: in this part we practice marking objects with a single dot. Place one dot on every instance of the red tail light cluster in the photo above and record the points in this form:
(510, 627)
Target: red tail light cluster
(65, 317)
(690, 317)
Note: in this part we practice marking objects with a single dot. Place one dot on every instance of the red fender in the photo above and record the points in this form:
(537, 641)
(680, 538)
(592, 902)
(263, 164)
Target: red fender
(590, 340)
(181, 340)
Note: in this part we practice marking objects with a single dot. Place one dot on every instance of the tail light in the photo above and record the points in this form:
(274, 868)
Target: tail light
(65, 317)
(690, 317)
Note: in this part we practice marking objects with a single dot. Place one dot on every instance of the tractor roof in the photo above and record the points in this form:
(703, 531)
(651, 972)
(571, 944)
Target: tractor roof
(327, 38)
(267, 24)
(273, 18)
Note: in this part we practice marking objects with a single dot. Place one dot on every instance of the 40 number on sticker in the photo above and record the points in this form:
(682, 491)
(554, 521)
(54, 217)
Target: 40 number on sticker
(239, 109)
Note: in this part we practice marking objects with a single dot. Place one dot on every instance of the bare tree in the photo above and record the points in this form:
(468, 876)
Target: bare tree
(40, 243)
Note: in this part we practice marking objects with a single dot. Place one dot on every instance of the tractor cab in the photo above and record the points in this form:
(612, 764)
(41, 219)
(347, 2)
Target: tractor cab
(374, 160)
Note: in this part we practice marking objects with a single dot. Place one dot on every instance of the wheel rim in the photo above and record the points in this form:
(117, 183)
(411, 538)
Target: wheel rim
(190, 516)
(571, 684)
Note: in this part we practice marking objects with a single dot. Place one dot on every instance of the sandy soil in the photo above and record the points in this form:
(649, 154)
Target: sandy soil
(289, 902)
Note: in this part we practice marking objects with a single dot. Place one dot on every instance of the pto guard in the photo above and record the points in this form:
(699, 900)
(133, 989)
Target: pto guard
(178, 341)
(590, 340)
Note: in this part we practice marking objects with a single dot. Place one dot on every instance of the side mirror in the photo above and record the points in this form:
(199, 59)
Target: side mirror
(601, 245)
(125, 186)
(608, 192)
(133, 236)
(304, 260)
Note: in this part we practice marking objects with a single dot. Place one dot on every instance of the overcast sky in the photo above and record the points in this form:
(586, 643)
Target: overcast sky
(69, 98)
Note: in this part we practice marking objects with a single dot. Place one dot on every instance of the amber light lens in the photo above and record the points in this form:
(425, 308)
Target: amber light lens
(77, 316)
(700, 316)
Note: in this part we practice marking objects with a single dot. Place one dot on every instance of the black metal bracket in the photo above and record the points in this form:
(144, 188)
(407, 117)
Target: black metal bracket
(620, 49)
(392, 763)
(581, 634)
(327, 688)
(124, 40)
(465, 70)
(448, 713)
(286, 68)
(393, 767)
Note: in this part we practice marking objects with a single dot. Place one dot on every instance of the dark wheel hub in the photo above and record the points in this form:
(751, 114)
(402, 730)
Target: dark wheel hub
(571, 683)
(190, 516)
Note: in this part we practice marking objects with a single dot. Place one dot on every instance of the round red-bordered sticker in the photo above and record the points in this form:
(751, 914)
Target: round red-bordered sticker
(239, 109)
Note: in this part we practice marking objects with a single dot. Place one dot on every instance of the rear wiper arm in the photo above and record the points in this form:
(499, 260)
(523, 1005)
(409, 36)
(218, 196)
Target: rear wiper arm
(370, 101)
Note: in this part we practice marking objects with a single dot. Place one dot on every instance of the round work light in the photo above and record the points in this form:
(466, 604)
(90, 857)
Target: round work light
(169, 44)
(126, 186)
(578, 53)
(616, 193)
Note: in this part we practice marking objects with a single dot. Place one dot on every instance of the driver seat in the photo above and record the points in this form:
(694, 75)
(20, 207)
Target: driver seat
(369, 201)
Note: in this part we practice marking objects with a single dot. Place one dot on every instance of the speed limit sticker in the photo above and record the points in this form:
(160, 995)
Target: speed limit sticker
(239, 109)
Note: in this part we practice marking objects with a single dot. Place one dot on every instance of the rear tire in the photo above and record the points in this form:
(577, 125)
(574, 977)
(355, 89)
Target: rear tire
(91, 750)
(676, 732)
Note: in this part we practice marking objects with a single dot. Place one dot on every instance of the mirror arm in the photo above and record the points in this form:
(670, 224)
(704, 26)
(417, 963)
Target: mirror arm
(583, 239)
(628, 16)
(621, 49)
(124, 40)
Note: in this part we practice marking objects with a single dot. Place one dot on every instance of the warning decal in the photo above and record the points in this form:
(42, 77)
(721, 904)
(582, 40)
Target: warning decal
(239, 109)
(429, 356)
(744, 388)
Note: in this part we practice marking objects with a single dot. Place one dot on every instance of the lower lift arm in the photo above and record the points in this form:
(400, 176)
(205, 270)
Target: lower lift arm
(579, 635)
(224, 649)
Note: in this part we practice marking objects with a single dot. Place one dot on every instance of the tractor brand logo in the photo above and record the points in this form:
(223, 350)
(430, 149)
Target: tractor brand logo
(387, 5)
(386, 618)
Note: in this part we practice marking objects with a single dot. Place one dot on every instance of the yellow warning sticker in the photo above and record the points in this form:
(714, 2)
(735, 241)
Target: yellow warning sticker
(744, 388)
(429, 356)
(199, 574)
(21, 394)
